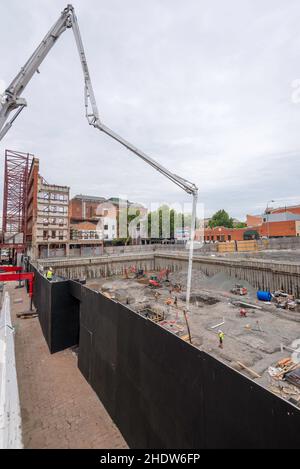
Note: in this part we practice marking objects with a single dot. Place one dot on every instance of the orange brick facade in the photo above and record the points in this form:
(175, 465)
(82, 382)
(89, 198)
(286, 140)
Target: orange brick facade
(272, 230)
(292, 209)
(88, 210)
(254, 220)
(279, 228)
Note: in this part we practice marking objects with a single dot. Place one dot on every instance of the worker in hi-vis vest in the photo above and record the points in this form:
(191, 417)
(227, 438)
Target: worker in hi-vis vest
(49, 274)
(221, 338)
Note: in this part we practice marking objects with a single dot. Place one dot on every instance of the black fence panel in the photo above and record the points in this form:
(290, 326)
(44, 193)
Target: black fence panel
(164, 393)
(241, 414)
(65, 310)
(42, 302)
(160, 391)
(58, 311)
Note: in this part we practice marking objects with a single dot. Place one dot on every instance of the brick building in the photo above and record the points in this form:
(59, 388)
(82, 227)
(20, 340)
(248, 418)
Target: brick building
(99, 218)
(92, 218)
(295, 209)
(271, 229)
(85, 207)
(47, 216)
(274, 223)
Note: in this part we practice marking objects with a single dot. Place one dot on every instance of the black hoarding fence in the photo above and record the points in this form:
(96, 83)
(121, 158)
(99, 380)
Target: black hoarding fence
(164, 393)
(42, 302)
(160, 391)
(58, 311)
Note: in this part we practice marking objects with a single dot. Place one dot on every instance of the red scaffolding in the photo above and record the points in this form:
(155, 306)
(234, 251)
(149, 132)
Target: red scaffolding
(15, 195)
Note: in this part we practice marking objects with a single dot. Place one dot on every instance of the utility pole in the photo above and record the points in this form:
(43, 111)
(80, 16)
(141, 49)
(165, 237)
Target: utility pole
(267, 212)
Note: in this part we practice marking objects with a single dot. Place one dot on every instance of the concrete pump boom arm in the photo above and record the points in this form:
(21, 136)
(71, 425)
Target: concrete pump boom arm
(12, 101)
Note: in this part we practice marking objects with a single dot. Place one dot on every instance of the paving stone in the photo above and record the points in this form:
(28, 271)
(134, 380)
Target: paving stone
(59, 408)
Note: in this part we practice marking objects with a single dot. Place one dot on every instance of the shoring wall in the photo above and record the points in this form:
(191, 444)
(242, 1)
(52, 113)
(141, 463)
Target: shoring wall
(262, 274)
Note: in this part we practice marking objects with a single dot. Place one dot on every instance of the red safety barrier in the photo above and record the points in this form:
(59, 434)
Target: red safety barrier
(10, 268)
(17, 277)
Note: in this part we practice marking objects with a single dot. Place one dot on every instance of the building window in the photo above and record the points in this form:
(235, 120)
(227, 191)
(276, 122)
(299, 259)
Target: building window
(106, 227)
(105, 213)
(44, 195)
(229, 237)
(218, 238)
(61, 235)
(45, 234)
(53, 234)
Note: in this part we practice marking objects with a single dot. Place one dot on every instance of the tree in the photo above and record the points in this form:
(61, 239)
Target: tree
(221, 218)
(164, 222)
(241, 224)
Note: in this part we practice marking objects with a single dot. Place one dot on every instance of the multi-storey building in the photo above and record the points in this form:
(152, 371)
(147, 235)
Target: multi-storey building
(99, 218)
(47, 216)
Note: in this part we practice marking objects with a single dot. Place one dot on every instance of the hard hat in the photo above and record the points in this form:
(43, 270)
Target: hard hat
(50, 268)
(219, 331)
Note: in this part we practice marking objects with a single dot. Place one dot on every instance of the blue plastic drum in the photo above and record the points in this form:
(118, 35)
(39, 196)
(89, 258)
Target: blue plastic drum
(264, 295)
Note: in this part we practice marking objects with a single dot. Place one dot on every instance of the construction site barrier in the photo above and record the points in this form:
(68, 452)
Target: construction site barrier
(164, 393)
(10, 412)
(58, 312)
(161, 391)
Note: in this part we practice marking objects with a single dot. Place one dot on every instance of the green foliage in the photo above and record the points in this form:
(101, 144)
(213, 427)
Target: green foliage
(221, 218)
(163, 222)
(120, 241)
(240, 225)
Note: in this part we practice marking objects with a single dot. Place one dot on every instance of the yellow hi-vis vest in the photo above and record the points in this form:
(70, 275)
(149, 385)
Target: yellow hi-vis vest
(49, 275)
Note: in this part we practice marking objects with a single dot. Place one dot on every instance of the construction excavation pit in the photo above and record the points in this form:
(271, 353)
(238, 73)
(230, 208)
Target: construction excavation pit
(260, 339)
(201, 300)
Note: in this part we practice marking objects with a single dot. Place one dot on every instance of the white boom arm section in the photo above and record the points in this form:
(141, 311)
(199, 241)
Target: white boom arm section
(11, 101)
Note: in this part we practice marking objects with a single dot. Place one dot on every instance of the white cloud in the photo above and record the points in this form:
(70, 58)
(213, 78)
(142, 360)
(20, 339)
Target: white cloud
(204, 87)
(2, 86)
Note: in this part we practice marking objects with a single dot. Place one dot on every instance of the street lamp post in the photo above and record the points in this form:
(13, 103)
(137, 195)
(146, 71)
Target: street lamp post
(268, 223)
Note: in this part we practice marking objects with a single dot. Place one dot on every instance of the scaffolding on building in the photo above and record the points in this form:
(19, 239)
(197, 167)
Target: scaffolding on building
(15, 198)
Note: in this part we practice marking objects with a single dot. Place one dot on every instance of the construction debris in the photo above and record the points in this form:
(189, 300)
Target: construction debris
(252, 372)
(246, 305)
(293, 376)
(283, 367)
(27, 315)
(219, 324)
(239, 290)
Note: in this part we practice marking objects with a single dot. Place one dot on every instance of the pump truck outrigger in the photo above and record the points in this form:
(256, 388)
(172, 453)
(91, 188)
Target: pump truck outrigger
(11, 101)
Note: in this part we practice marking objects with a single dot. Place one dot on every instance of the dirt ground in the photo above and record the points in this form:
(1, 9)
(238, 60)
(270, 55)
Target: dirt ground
(254, 340)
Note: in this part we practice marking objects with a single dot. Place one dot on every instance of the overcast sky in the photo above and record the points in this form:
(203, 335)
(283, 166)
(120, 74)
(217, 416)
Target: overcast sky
(205, 87)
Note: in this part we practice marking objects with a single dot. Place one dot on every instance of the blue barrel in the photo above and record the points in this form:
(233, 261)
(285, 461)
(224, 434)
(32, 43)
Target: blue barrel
(264, 295)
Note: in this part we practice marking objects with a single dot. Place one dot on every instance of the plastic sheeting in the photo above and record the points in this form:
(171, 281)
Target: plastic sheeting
(10, 413)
